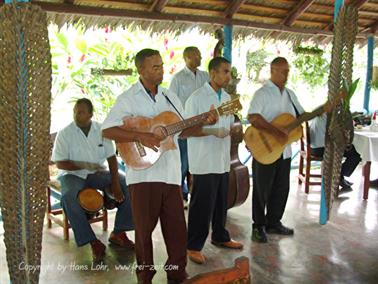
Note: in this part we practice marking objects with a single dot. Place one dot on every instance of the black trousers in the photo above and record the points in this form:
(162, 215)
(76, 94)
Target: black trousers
(271, 184)
(208, 203)
(352, 159)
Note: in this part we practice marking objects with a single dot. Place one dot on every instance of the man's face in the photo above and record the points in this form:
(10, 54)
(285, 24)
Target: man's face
(82, 116)
(193, 59)
(280, 73)
(222, 75)
(152, 70)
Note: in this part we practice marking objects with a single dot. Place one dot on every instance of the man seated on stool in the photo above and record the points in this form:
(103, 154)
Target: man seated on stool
(352, 157)
(80, 152)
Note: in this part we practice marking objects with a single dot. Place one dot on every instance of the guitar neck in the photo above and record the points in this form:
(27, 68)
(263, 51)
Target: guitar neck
(187, 123)
(305, 117)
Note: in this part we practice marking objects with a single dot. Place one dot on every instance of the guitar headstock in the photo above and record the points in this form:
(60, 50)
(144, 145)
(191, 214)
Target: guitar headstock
(229, 107)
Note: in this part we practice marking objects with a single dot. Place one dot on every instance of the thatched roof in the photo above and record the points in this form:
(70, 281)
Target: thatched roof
(277, 19)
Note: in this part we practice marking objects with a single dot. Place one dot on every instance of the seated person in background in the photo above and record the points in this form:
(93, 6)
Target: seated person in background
(352, 158)
(79, 153)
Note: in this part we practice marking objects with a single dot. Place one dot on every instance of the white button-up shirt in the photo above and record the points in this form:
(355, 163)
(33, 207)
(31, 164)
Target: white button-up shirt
(71, 144)
(208, 154)
(137, 102)
(185, 82)
(269, 102)
(317, 131)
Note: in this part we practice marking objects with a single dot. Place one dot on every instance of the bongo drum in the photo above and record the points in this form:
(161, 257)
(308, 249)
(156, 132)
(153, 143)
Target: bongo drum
(91, 200)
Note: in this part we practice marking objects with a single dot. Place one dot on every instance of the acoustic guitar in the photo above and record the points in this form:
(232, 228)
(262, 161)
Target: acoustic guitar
(165, 124)
(264, 146)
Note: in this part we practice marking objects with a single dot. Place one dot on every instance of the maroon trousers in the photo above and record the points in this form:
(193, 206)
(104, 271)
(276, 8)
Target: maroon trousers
(149, 202)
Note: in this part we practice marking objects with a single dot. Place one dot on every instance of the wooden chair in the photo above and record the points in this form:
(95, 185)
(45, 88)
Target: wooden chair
(57, 215)
(307, 157)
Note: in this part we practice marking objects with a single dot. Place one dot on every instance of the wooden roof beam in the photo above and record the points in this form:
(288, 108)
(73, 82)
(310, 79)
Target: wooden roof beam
(371, 29)
(233, 7)
(296, 12)
(355, 3)
(154, 16)
(158, 5)
(358, 3)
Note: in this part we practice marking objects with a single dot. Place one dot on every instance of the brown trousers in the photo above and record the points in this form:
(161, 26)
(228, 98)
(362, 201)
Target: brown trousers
(149, 202)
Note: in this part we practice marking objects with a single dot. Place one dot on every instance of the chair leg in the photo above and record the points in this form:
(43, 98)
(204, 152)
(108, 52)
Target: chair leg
(105, 220)
(66, 234)
(300, 169)
(307, 178)
(48, 209)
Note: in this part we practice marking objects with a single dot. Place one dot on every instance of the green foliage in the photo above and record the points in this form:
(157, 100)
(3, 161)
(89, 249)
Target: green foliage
(256, 61)
(72, 61)
(350, 90)
(312, 66)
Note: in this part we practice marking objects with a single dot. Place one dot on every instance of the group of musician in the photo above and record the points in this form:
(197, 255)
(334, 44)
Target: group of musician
(157, 192)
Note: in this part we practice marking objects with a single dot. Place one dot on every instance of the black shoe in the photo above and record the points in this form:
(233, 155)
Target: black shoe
(259, 235)
(280, 230)
(345, 184)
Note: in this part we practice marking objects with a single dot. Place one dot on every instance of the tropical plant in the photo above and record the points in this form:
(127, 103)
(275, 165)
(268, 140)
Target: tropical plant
(350, 90)
(256, 61)
(313, 67)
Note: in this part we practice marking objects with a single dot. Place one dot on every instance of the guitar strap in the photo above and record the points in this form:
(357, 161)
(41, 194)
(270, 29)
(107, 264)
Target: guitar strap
(169, 101)
(295, 108)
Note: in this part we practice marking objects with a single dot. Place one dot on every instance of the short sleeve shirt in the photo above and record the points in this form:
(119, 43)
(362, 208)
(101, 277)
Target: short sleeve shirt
(185, 82)
(317, 131)
(208, 154)
(71, 144)
(269, 102)
(137, 102)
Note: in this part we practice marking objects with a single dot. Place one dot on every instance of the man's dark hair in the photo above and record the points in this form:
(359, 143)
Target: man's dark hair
(143, 54)
(216, 62)
(278, 61)
(87, 102)
(189, 49)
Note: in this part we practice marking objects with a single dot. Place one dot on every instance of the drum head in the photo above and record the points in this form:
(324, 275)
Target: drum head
(90, 200)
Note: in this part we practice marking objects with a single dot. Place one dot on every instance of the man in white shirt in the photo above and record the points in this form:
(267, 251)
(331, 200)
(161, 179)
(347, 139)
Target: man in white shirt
(352, 157)
(183, 84)
(209, 164)
(271, 183)
(80, 152)
(155, 192)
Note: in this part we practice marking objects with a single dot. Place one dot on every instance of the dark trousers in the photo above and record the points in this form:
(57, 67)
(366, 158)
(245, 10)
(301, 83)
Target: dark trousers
(352, 159)
(183, 145)
(208, 202)
(271, 184)
(149, 202)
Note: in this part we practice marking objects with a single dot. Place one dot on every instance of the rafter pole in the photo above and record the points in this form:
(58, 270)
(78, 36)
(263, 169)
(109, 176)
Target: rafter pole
(227, 49)
(297, 11)
(371, 29)
(158, 5)
(233, 7)
(358, 3)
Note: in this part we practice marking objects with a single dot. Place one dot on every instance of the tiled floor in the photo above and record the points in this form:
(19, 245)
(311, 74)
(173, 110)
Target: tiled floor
(345, 250)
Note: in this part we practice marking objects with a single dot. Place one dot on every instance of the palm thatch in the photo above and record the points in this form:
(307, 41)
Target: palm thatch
(287, 20)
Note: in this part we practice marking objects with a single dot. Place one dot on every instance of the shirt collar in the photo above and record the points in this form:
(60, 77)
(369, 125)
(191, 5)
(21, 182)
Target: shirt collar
(270, 84)
(141, 88)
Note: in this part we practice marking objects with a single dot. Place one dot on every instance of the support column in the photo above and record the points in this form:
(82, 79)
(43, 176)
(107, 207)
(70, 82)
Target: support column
(370, 47)
(323, 214)
(227, 50)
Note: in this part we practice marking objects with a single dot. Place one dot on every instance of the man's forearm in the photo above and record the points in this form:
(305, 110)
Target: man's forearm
(113, 168)
(120, 135)
(67, 165)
